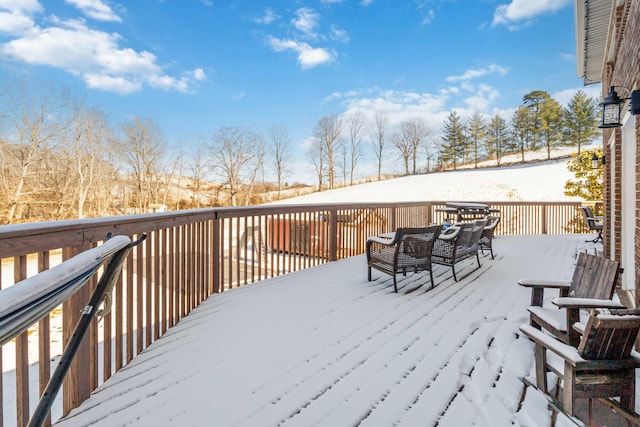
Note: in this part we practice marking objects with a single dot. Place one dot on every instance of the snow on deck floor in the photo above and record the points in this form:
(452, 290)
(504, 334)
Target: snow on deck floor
(324, 346)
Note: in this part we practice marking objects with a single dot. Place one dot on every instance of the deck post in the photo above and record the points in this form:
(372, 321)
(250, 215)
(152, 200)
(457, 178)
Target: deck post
(22, 355)
(215, 242)
(333, 234)
(393, 218)
(429, 209)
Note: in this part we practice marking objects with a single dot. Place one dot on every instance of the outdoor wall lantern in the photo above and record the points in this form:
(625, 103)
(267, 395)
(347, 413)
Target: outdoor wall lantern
(595, 161)
(612, 106)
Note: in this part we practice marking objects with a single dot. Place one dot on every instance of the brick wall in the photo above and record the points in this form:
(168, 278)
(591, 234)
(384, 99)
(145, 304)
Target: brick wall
(624, 70)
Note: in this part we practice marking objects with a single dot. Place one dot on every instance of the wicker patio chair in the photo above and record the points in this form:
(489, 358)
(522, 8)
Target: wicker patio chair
(486, 238)
(593, 222)
(408, 250)
(457, 243)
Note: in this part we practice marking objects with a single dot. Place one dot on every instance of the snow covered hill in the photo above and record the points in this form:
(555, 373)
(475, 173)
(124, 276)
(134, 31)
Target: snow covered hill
(542, 181)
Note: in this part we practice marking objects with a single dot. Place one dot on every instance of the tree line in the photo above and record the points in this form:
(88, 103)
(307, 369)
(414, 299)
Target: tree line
(63, 159)
(539, 123)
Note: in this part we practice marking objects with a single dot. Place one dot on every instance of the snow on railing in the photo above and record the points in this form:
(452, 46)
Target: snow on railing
(188, 256)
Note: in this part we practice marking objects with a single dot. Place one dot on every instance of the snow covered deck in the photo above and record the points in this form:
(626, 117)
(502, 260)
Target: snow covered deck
(323, 346)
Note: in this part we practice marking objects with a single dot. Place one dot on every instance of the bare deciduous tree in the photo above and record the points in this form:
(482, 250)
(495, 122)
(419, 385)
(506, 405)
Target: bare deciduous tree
(380, 125)
(355, 125)
(237, 154)
(171, 176)
(414, 132)
(35, 121)
(259, 151)
(404, 146)
(316, 158)
(197, 169)
(431, 152)
(327, 132)
(144, 149)
(89, 141)
(280, 151)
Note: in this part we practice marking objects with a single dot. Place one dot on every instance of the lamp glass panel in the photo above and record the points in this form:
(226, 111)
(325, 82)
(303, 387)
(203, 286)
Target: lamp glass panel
(610, 114)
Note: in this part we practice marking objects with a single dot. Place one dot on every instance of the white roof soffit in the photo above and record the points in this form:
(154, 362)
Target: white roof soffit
(592, 30)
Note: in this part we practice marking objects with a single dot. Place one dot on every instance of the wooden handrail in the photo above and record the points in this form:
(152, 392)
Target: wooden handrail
(190, 255)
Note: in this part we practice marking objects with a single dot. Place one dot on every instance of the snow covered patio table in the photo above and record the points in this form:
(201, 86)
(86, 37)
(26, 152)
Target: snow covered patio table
(323, 346)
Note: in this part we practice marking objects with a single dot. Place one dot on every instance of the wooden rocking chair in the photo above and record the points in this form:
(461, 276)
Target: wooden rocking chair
(592, 286)
(602, 365)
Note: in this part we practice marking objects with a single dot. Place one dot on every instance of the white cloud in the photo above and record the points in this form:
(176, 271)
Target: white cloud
(482, 98)
(162, 81)
(338, 34)
(567, 56)
(268, 17)
(308, 56)
(522, 11)
(428, 17)
(96, 9)
(74, 46)
(16, 15)
(355, 93)
(564, 96)
(432, 107)
(401, 106)
(24, 6)
(95, 56)
(425, 11)
(306, 21)
(365, 2)
(475, 73)
(15, 22)
(118, 85)
(237, 96)
(198, 74)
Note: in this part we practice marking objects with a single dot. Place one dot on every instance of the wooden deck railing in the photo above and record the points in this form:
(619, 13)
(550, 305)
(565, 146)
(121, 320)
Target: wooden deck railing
(188, 256)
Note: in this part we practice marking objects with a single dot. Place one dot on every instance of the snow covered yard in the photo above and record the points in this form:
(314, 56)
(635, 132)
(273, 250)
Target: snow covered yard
(324, 346)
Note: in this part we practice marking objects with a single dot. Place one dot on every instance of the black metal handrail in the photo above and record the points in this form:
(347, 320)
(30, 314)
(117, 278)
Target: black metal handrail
(37, 296)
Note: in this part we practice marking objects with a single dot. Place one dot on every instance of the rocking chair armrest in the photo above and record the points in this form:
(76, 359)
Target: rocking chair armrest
(538, 283)
(563, 350)
(568, 302)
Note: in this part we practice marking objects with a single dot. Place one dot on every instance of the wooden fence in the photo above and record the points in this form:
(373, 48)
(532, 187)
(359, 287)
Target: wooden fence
(188, 256)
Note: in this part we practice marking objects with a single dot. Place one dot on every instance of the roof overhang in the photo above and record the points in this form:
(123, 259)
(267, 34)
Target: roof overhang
(592, 31)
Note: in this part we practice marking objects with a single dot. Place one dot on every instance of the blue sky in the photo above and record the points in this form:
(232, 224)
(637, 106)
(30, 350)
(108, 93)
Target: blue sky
(195, 65)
